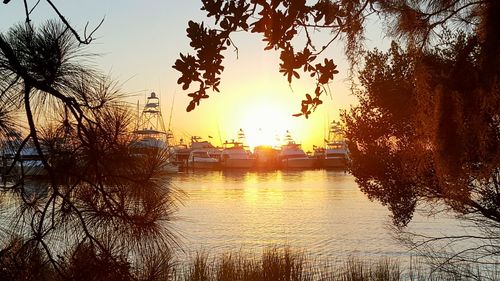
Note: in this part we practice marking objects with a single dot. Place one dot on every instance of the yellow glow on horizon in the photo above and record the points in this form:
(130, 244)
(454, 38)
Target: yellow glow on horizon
(265, 125)
(260, 103)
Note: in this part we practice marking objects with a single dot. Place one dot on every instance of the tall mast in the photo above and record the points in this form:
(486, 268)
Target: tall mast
(171, 110)
(150, 121)
(241, 137)
(138, 116)
(170, 135)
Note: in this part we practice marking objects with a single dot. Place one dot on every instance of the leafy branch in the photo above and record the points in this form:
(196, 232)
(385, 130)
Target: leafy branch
(279, 22)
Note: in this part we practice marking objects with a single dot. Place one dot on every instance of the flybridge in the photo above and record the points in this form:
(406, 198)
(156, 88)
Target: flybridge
(150, 121)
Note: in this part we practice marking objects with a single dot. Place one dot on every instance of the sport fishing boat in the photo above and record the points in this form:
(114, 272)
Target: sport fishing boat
(203, 154)
(27, 163)
(235, 156)
(266, 157)
(151, 136)
(292, 156)
(201, 159)
(336, 153)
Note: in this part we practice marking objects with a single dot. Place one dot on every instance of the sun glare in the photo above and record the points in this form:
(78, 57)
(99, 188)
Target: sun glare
(264, 125)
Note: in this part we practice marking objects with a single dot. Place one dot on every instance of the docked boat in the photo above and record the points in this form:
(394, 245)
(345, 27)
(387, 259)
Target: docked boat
(236, 156)
(336, 152)
(180, 154)
(27, 164)
(150, 133)
(266, 157)
(201, 159)
(292, 156)
(203, 154)
(198, 144)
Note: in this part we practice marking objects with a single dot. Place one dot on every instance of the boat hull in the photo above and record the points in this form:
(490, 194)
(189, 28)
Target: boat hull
(170, 168)
(266, 158)
(26, 168)
(33, 168)
(238, 163)
(334, 163)
(297, 163)
(267, 164)
(203, 165)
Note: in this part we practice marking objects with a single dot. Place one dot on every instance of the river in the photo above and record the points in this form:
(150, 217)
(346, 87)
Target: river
(321, 212)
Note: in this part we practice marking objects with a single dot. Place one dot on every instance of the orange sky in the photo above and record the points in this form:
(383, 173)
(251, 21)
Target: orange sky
(138, 43)
(257, 98)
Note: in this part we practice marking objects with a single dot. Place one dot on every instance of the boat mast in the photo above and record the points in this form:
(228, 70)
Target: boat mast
(170, 134)
(288, 138)
(241, 137)
(150, 121)
(335, 133)
(138, 116)
(218, 132)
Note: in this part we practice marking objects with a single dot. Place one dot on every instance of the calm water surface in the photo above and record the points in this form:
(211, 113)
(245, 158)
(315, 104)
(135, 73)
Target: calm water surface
(322, 212)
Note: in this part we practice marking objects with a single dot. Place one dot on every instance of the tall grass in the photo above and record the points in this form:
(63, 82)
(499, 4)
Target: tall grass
(274, 264)
(284, 264)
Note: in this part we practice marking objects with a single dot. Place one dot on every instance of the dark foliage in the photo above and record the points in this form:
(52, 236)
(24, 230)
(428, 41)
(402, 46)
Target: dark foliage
(23, 261)
(381, 129)
(106, 204)
(427, 130)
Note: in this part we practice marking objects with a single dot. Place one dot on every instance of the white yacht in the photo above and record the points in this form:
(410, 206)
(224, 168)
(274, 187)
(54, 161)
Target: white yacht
(336, 152)
(201, 159)
(234, 155)
(150, 132)
(203, 154)
(27, 164)
(292, 156)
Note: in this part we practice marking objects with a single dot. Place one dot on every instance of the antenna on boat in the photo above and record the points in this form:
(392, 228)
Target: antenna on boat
(326, 128)
(171, 110)
(218, 132)
(241, 138)
(277, 138)
(170, 135)
(138, 116)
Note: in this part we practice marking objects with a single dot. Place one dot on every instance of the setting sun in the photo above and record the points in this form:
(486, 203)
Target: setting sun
(264, 125)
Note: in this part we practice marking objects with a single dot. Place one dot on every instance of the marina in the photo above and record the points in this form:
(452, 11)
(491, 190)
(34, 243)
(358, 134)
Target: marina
(236, 154)
(151, 136)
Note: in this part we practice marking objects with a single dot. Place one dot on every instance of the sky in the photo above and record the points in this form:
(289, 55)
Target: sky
(139, 42)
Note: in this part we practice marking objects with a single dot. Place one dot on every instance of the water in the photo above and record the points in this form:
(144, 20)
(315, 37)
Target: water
(321, 212)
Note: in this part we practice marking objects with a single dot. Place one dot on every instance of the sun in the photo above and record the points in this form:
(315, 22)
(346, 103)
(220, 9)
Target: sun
(265, 125)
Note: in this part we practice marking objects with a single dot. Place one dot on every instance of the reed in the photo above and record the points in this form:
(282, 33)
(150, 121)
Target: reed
(285, 264)
(274, 264)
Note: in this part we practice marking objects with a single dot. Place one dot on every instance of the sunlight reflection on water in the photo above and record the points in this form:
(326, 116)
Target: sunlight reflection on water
(321, 212)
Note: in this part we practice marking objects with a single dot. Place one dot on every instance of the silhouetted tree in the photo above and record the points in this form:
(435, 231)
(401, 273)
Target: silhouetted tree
(103, 212)
(288, 25)
(382, 127)
(426, 132)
